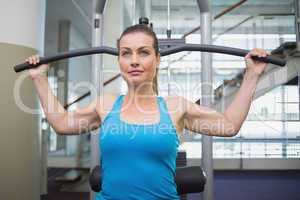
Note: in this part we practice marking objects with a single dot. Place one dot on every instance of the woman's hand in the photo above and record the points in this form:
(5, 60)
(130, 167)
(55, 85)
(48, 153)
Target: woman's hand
(255, 67)
(38, 71)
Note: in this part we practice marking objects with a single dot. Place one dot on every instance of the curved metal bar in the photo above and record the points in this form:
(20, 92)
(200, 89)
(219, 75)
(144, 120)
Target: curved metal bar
(164, 52)
(222, 50)
(89, 92)
(69, 54)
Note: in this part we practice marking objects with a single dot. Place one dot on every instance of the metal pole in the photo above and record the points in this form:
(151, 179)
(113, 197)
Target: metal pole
(45, 131)
(97, 76)
(283, 119)
(297, 22)
(133, 12)
(168, 24)
(299, 92)
(148, 9)
(207, 91)
(297, 29)
(169, 37)
(227, 10)
(44, 159)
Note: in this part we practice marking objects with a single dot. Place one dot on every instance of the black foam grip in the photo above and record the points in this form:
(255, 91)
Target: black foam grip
(163, 52)
(188, 179)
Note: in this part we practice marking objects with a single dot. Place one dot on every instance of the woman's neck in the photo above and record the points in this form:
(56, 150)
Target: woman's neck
(141, 94)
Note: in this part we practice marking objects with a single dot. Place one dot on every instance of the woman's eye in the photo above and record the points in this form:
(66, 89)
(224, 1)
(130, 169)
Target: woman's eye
(144, 53)
(125, 53)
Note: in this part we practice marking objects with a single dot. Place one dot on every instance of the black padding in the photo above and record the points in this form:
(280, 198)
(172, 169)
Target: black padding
(167, 43)
(143, 20)
(188, 179)
(164, 52)
(95, 179)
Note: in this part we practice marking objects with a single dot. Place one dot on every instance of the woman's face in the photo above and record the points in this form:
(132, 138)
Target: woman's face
(137, 58)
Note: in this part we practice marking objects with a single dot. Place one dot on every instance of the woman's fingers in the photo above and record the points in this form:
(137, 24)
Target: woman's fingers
(257, 52)
(38, 59)
(33, 59)
(29, 60)
(38, 71)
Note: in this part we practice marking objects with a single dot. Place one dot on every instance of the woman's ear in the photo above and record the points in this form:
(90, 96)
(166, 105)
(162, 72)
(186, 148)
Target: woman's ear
(158, 59)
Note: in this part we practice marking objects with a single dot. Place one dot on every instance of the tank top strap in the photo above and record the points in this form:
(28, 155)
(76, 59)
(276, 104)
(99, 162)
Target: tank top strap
(163, 109)
(117, 105)
(114, 112)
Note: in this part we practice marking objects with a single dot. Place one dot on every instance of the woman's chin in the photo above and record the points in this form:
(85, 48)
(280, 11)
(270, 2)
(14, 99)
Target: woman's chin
(137, 82)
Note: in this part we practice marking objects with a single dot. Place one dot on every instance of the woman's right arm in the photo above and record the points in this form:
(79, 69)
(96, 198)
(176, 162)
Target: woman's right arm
(80, 121)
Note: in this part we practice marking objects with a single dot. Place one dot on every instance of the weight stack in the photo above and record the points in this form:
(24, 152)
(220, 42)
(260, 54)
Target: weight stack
(181, 162)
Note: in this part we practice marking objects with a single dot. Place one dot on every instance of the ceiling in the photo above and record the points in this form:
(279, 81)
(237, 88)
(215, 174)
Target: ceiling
(78, 12)
(185, 15)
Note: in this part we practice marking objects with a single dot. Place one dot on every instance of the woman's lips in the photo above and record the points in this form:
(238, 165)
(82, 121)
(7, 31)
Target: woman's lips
(135, 72)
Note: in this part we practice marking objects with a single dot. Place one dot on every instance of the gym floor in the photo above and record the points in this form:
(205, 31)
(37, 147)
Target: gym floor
(77, 189)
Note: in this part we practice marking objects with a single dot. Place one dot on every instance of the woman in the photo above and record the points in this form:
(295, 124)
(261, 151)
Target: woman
(139, 131)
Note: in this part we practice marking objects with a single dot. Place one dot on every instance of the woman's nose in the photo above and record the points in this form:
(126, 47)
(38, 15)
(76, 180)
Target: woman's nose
(134, 60)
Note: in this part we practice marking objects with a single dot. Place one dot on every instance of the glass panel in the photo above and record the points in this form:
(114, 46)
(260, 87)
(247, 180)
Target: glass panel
(77, 36)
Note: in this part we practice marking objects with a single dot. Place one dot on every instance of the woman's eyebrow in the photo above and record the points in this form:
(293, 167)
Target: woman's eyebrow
(127, 48)
(142, 47)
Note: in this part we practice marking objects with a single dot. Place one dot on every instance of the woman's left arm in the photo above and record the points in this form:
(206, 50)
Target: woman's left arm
(205, 120)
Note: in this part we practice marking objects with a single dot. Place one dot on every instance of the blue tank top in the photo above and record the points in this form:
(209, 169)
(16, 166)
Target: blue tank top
(138, 161)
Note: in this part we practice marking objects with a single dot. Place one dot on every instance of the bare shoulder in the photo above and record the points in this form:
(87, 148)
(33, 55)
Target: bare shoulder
(172, 98)
(105, 103)
(176, 111)
(175, 103)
